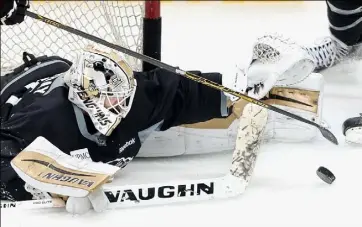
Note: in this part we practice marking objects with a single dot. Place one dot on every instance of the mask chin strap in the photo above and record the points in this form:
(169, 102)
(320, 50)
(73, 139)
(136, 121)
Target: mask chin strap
(113, 126)
(97, 137)
(104, 122)
(129, 100)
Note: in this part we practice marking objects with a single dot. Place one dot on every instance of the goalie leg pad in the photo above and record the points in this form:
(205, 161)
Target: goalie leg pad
(304, 99)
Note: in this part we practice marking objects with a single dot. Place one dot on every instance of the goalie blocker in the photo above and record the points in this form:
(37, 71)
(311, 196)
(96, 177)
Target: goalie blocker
(46, 169)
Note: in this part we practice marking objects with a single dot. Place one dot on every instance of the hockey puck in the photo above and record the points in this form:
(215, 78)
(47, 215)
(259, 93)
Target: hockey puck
(326, 175)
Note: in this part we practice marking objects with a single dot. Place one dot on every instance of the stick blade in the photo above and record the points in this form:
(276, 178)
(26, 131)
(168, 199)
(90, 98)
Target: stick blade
(328, 135)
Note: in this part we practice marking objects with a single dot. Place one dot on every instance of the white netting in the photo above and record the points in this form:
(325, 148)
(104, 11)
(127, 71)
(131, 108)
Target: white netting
(119, 22)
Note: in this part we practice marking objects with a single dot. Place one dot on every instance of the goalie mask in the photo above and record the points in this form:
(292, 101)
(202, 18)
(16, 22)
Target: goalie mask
(102, 85)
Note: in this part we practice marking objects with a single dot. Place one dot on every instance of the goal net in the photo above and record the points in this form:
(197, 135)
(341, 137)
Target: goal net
(132, 24)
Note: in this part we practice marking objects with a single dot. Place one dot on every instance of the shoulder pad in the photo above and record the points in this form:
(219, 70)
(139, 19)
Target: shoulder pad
(33, 69)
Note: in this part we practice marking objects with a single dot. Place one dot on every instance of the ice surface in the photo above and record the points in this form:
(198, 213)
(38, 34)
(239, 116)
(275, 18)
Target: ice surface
(285, 190)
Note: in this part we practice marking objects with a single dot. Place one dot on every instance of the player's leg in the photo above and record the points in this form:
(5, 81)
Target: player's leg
(345, 21)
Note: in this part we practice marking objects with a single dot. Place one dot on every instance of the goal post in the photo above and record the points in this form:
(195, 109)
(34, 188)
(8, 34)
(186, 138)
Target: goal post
(132, 24)
(152, 31)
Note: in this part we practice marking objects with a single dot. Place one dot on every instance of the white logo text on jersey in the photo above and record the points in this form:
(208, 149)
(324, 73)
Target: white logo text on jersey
(127, 144)
(121, 162)
(81, 154)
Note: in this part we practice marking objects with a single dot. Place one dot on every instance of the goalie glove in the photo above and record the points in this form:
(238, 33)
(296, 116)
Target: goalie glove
(276, 61)
(48, 172)
(13, 11)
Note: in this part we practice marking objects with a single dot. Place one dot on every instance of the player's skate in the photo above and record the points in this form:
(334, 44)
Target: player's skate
(330, 51)
(352, 129)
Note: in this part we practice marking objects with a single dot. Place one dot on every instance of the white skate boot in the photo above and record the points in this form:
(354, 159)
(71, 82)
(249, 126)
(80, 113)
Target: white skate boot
(352, 129)
(328, 52)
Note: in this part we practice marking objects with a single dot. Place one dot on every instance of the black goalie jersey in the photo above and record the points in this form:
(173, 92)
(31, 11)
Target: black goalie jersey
(34, 102)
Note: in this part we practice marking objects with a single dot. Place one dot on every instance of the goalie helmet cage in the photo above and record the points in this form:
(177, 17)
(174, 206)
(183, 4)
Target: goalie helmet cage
(132, 24)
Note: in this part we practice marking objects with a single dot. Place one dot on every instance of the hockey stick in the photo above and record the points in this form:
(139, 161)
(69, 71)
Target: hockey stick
(33, 204)
(325, 132)
(153, 194)
(251, 126)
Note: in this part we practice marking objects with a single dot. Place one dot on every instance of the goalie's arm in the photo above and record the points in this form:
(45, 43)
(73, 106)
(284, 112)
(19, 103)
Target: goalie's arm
(176, 100)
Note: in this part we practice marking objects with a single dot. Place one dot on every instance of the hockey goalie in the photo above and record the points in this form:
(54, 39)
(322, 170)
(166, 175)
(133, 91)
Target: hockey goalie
(96, 108)
(89, 118)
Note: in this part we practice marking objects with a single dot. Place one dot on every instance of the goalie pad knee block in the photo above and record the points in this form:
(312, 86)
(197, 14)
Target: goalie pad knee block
(352, 129)
(304, 99)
